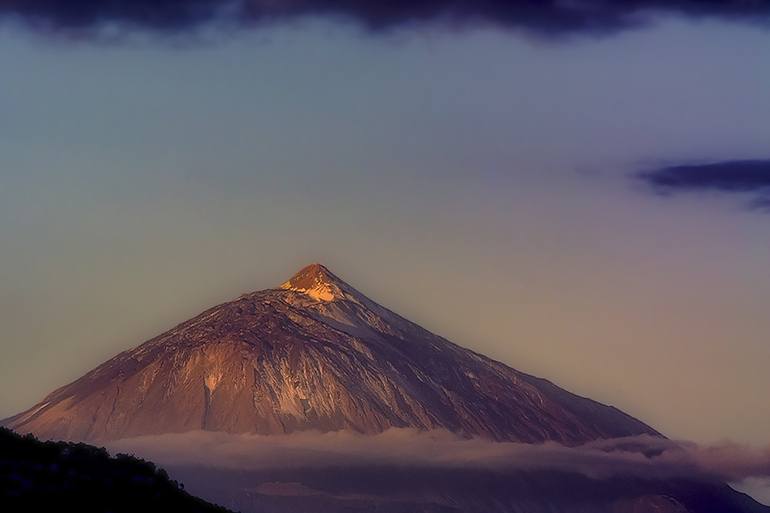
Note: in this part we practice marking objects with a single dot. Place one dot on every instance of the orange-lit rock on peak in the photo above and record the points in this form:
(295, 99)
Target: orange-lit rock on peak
(316, 281)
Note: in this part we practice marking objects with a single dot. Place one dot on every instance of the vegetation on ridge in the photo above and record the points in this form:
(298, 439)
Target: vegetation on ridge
(60, 476)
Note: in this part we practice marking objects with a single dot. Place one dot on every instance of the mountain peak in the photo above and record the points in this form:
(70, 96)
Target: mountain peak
(316, 281)
(314, 355)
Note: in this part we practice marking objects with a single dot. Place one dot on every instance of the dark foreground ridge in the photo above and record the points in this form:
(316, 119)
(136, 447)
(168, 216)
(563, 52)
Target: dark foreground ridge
(67, 477)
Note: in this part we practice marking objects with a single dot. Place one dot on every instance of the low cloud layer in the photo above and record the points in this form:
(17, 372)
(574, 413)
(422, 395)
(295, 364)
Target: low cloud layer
(643, 456)
(750, 177)
(542, 16)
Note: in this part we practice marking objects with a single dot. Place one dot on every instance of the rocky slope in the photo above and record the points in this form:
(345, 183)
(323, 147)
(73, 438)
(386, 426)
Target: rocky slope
(314, 354)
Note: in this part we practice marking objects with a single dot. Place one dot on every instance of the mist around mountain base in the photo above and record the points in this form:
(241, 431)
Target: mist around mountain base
(404, 470)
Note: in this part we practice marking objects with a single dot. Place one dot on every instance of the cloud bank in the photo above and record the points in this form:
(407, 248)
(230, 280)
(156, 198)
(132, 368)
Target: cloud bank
(643, 456)
(541, 16)
(728, 177)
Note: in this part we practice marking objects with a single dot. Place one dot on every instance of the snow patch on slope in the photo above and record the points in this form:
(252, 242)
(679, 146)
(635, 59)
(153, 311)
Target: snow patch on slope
(321, 292)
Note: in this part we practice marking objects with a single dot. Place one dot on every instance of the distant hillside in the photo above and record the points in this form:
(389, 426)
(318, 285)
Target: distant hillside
(58, 476)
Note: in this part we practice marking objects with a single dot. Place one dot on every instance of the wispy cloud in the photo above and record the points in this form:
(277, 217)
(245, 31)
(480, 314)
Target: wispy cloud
(542, 16)
(747, 177)
(643, 456)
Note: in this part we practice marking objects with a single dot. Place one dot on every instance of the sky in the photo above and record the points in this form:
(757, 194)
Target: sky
(586, 202)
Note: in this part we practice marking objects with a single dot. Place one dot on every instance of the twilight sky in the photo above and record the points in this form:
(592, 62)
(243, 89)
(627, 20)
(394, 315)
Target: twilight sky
(588, 205)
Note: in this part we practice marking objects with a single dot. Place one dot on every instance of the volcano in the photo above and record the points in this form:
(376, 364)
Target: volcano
(314, 354)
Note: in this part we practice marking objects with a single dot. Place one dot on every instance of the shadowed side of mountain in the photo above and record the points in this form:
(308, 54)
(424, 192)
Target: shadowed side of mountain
(400, 489)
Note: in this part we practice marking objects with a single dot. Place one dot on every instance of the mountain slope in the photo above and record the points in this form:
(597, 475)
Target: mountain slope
(313, 354)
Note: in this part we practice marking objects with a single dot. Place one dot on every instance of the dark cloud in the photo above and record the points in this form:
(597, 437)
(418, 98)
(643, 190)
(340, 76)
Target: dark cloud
(542, 16)
(729, 176)
(736, 176)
